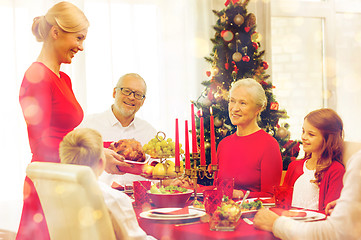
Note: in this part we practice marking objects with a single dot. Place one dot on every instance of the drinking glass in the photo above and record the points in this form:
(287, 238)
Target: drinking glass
(283, 196)
(225, 185)
(212, 199)
(140, 189)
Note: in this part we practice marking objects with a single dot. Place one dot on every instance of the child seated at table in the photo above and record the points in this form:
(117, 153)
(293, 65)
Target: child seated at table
(317, 179)
(84, 146)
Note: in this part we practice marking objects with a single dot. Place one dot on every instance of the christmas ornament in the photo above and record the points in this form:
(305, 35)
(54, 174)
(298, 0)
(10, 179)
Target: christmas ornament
(246, 29)
(255, 45)
(199, 113)
(227, 35)
(218, 122)
(226, 65)
(237, 56)
(215, 71)
(246, 58)
(238, 19)
(256, 37)
(223, 132)
(210, 96)
(224, 18)
(265, 65)
(229, 1)
(235, 68)
(282, 132)
(205, 102)
(207, 145)
(274, 106)
(250, 20)
(208, 73)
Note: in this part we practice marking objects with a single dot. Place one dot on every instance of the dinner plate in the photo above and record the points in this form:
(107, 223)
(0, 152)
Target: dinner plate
(162, 212)
(193, 213)
(310, 215)
(198, 208)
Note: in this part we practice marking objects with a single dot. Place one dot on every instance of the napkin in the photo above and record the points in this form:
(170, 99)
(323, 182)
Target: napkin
(117, 186)
(266, 200)
(184, 210)
(289, 213)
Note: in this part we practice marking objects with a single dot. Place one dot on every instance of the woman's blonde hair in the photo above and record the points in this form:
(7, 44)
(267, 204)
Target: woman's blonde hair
(82, 146)
(331, 127)
(254, 88)
(65, 15)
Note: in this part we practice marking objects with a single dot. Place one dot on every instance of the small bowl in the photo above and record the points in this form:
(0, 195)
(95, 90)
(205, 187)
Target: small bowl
(170, 200)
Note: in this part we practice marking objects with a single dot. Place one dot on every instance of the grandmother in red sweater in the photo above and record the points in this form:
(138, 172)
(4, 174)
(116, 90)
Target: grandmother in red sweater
(251, 156)
(317, 179)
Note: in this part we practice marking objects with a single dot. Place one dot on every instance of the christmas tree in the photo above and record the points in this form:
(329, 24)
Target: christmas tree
(236, 55)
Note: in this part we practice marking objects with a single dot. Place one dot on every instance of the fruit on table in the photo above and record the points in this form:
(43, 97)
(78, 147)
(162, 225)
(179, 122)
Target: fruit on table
(160, 170)
(161, 148)
(148, 169)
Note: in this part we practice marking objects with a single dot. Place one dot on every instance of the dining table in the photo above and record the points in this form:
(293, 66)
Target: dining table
(195, 229)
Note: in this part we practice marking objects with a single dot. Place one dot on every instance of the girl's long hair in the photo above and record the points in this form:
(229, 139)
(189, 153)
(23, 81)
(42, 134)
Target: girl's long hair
(331, 127)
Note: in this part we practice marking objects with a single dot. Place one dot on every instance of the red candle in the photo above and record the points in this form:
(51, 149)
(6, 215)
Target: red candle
(176, 150)
(213, 139)
(188, 161)
(194, 131)
(203, 153)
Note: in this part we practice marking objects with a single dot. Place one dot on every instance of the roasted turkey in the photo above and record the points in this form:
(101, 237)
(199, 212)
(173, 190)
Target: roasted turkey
(131, 149)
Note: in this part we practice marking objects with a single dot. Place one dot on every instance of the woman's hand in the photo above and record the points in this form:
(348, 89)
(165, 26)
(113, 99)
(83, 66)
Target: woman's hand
(329, 207)
(237, 194)
(265, 219)
(114, 162)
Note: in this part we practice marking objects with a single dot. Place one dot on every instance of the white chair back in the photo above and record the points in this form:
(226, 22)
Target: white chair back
(72, 202)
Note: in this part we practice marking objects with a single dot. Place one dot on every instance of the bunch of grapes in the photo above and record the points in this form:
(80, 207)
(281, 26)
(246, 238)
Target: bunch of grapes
(158, 147)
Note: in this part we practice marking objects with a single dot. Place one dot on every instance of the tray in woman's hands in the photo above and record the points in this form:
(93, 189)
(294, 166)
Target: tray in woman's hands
(147, 158)
(133, 166)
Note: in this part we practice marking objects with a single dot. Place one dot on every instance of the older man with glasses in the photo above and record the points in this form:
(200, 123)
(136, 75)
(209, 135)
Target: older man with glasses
(119, 121)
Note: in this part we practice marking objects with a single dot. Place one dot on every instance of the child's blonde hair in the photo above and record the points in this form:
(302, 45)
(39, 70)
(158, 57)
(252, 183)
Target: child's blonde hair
(83, 146)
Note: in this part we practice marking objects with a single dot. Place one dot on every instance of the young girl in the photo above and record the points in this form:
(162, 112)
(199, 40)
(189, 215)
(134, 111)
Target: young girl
(317, 179)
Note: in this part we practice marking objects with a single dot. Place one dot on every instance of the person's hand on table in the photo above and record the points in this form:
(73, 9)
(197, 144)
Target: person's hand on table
(115, 162)
(329, 207)
(265, 219)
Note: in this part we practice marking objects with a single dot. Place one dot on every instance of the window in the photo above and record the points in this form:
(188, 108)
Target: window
(315, 60)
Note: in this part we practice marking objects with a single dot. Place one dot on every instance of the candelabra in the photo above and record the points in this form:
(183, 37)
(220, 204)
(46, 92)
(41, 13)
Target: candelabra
(197, 172)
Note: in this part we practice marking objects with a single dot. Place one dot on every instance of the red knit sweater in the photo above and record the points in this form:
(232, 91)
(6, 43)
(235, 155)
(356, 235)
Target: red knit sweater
(330, 185)
(254, 161)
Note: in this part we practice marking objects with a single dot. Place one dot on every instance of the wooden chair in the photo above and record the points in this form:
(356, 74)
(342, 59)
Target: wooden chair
(73, 204)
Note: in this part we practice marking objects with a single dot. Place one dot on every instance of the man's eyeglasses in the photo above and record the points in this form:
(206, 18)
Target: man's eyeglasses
(127, 92)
